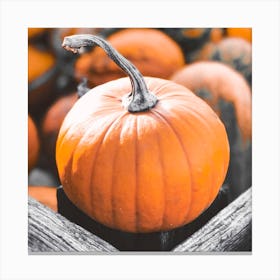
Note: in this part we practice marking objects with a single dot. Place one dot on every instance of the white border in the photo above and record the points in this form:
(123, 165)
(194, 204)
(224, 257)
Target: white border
(262, 16)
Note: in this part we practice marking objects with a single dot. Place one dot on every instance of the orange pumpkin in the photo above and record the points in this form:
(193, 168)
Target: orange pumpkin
(217, 34)
(42, 70)
(39, 62)
(54, 117)
(143, 47)
(34, 32)
(245, 33)
(147, 161)
(44, 194)
(52, 121)
(33, 144)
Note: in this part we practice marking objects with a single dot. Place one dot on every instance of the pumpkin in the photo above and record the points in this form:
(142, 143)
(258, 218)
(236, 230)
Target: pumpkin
(143, 47)
(235, 52)
(42, 70)
(39, 62)
(224, 89)
(33, 144)
(213, 81)
(44, 194)
(53, 119)
(217, 34)
(34, 32)
(140, 154)
(245, 33)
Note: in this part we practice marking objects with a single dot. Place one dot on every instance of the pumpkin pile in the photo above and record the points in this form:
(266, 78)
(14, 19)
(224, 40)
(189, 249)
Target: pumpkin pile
(42, 70)
(140, 127)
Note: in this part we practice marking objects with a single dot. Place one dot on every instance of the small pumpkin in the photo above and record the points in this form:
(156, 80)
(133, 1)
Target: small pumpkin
(35, 32)
(44, 194)
(217, 34)
(245, 33)
(143, 47)
(229, 95)
(212, 81)
(140, 154)
(235, 52)
(33, 144)
(53, 119)
(42, 70)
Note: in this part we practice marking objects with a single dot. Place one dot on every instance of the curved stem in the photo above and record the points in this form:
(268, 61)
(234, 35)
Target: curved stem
(140, 99)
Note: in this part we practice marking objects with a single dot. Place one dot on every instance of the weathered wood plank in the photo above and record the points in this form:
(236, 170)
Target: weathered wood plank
(49, 231)
(230, 230)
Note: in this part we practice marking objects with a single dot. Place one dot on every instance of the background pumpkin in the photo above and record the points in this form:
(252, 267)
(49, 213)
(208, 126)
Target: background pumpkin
(217, 84)
(33, 144)
(143, 47)
(51, 123)
(151, 151)
(237, 53)
(245, 33)
(44, 194)
(233, 51)
(53, 119)
(217, 34)
(42, 70)
(34, 33)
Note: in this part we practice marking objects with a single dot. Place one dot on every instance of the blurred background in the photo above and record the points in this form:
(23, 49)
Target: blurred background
(214, 63)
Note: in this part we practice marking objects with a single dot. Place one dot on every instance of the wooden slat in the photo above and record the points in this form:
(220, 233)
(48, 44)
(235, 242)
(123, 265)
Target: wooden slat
(230, 230)
(49, 231)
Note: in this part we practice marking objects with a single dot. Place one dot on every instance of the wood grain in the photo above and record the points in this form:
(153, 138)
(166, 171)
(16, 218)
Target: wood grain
(49, 231)
(230, 230)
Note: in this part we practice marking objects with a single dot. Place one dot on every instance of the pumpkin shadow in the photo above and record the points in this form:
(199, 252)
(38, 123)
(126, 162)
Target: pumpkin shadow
(126, 241)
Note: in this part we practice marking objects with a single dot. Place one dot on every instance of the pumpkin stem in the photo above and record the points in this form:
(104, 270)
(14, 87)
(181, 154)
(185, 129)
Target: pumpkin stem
(140, 99)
